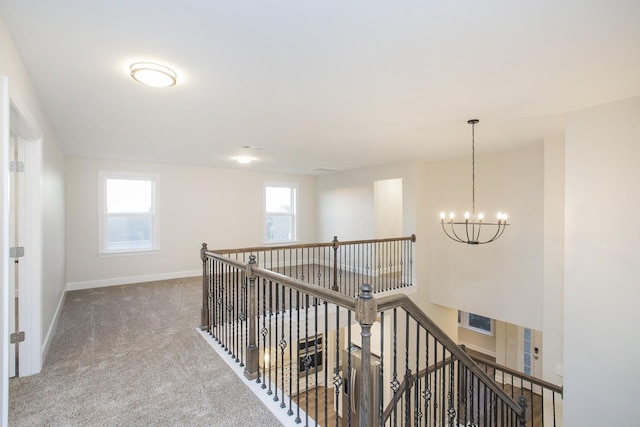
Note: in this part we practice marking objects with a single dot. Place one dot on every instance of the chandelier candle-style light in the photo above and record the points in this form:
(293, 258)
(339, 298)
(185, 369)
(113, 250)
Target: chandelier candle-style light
(468, 231)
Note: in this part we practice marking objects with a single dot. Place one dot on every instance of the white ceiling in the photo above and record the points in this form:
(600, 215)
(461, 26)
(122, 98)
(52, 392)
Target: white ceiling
(321, 84)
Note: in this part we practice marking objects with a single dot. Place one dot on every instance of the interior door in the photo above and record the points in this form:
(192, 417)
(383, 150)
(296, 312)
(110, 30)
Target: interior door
(532, 352)
(12, 270)
(536, 344)
(16, 242)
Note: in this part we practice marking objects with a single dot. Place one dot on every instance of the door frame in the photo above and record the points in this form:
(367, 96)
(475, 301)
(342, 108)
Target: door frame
(14, 115)
(4, 248)
(27, 132)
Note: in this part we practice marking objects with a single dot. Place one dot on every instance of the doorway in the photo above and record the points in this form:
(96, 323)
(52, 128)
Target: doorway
(16, 248)
(387, 196)
(532, 352)
(21, 141)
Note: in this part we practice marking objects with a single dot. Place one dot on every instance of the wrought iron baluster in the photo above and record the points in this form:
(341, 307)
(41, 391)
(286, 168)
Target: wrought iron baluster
(275, 337)
(292, 366)
(386, 264)
(451, 410)
(458, 388)
(315, 354)
(283, 345)
(325, 353)
(234, 314)
(407, 373)
(243, 318)
(443, 393)
(264, 331)
(268, 349)
(369, 264)
(426, 394)
(337, 377)
(307, 358)
(418, 410)
(348, 373)
(395, 385)
(553, 401)
(224, 309)
(380, 397)
(436, 371)
(297, 366)
(213, 294)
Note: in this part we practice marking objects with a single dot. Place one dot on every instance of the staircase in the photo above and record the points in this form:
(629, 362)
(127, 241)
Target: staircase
(317, 329)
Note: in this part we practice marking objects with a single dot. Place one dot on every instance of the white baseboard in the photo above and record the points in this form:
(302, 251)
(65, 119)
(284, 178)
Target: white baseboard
(47, 339)
(117, 281)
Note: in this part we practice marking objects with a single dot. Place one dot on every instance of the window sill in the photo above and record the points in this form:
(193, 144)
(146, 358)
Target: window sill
(129, 253)
(281, 242)
(476, 330)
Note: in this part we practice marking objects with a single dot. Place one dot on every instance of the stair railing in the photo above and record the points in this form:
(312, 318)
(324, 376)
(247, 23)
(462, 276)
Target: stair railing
(302, 344)
(538, 393)
(385, 264)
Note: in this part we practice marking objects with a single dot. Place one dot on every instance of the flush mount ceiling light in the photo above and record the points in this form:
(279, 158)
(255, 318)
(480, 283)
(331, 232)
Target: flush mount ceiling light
(469, 230)
(152, 74)
(244, 159)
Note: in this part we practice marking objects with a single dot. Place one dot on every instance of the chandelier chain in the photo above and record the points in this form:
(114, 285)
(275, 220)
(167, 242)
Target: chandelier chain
(473, 169)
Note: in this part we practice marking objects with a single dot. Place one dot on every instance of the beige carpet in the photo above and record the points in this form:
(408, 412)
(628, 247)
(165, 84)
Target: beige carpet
(129, 356)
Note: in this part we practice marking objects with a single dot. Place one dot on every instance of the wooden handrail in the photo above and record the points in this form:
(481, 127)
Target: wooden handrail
(328, 295)
(533, 380)
(411, 238)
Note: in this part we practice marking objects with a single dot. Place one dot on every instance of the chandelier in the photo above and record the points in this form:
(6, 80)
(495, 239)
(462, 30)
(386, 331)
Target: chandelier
(468, 231)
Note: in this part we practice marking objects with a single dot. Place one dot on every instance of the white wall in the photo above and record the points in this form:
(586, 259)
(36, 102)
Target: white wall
(477, 341)
(501, 280)
(220, 207)
(553, 286)
(602, 276)
(346, 208)
(54, 235)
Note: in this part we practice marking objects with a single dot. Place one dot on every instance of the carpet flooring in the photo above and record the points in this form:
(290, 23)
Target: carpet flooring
(130, 356)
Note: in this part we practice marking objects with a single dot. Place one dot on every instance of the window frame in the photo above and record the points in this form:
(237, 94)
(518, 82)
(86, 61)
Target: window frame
(104, 216)
(293, 214)
(463, 322)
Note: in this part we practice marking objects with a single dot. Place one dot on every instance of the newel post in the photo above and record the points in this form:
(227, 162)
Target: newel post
(252, 369)
(335, 245)
(204, 311)
(522, 401)
(366, 313)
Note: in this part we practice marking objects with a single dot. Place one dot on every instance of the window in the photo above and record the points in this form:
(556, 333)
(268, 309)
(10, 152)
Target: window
(475, 322)
(527, 351)
(128, 212)
(280, 212)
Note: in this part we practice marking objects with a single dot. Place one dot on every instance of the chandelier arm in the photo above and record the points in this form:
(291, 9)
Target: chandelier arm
(456, 238)
(476, 237)
(453, 230)
(466, 227)
(499, 231)
(504, 227)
